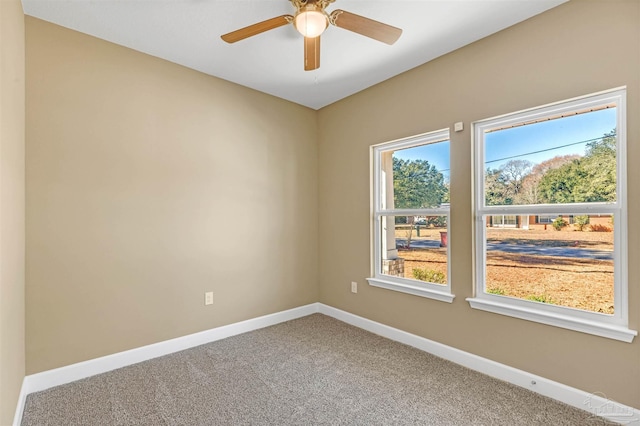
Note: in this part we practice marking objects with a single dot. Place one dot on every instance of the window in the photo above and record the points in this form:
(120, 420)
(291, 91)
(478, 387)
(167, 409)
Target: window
(546, 218)
(550, 215)
(503, 220)
(411, 216)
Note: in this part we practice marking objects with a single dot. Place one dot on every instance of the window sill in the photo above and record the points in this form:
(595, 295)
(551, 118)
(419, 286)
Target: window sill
(610, 331)
(410, 289)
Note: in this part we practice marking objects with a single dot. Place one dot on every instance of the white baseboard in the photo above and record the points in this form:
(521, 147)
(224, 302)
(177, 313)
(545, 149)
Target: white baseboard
(596, 403)
(70, 373)
(17, 418)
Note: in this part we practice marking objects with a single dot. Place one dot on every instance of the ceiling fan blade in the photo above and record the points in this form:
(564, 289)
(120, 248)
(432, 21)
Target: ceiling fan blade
(365, 26)
(311, 53)
(255, 29)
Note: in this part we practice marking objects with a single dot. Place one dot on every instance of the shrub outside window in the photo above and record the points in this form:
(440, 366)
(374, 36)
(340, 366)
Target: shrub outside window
(410, 214)
(550, 215)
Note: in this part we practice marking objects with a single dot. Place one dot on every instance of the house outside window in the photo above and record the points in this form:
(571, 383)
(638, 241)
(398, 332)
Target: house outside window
(562, 165)
(410, 216)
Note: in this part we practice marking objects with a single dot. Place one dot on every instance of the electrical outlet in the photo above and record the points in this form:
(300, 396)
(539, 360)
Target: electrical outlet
(208, 298)
(354, 287)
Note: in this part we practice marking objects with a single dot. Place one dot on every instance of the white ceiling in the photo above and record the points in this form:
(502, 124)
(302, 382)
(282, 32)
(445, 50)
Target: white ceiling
(187, 32)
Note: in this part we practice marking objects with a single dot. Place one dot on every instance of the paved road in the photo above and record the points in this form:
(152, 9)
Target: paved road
(524, 249)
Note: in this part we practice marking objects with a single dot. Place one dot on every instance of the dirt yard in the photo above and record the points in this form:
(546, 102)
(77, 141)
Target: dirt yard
(567, 281)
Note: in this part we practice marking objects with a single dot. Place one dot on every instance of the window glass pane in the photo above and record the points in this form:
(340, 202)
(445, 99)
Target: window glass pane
(415, 247)
(556, 263)
(416, 177)
(559, 160)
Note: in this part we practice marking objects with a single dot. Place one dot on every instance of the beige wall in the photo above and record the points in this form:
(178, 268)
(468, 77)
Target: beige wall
(149, 184)
(12, 85)
(578, 48)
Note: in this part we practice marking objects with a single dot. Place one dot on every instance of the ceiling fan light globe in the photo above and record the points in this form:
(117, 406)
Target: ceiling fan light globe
(311, 23)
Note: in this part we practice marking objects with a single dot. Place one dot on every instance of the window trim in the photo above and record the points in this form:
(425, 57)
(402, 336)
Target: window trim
(405, 285)
(613, 326)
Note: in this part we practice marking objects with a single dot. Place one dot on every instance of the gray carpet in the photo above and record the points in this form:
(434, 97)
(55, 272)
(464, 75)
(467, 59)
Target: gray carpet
(310, 371)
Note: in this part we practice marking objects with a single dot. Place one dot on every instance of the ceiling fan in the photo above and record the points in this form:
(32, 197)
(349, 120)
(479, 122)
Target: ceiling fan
(311, 19)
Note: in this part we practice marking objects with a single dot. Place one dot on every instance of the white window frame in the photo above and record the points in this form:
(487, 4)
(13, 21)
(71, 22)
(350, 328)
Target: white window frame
(405, 285)
(613, 326)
